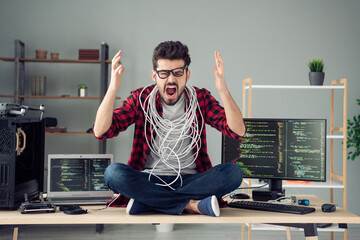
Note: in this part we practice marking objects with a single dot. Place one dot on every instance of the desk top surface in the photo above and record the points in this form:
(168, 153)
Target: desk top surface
(228, 215)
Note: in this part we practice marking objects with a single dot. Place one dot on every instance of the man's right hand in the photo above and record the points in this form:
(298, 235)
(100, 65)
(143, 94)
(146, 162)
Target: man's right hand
(105, 111)
(116, 71)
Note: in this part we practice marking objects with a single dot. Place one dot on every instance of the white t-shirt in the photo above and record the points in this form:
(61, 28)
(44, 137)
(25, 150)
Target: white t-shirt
(172, 148)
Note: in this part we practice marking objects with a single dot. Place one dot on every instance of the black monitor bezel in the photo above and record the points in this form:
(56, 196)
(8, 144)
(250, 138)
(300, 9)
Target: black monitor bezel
(286, 119)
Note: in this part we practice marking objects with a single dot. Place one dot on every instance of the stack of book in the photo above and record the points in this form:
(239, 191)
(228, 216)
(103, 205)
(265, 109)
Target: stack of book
(88, 54)
(38, 85)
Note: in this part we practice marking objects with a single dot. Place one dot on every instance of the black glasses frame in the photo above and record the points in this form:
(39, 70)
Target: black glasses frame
(171, 71)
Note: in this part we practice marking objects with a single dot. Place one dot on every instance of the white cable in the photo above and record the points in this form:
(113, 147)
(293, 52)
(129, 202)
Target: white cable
(284, 200)
(172, 133)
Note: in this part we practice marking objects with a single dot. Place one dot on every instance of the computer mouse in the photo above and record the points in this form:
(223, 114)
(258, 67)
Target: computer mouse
(328, 207)
(240, 196)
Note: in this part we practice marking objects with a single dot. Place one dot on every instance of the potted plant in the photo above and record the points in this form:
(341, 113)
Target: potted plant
(353, 135)
(82, 90)
(316, 74)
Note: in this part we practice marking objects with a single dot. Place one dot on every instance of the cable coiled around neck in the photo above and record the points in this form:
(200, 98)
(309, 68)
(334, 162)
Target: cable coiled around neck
(171, 134)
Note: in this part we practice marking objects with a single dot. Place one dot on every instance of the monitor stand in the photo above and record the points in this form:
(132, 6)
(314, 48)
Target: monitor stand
(275, 191)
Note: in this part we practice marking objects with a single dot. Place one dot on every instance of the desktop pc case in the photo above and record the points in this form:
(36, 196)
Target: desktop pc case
(21, 159)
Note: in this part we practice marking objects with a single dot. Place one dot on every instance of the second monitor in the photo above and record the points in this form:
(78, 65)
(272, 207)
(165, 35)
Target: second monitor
(280, 149)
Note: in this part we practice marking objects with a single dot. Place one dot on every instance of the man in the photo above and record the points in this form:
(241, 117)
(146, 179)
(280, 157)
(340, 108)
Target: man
(169, 169)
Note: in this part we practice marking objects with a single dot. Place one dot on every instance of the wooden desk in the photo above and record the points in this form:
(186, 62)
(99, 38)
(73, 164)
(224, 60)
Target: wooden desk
(228, 215)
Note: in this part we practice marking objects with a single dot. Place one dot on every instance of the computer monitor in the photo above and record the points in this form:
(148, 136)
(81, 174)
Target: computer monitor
(279, 149)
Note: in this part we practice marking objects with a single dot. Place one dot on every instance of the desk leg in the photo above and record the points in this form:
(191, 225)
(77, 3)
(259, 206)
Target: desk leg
(243, 231)
(288, 234)
(310, 229)
(99, 228)
(15, 233)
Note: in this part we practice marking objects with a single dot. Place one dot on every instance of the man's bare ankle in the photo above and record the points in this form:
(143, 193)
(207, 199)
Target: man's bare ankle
(192, 206)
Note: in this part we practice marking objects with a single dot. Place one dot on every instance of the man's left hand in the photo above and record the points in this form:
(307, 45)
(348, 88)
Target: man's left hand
(219, 72)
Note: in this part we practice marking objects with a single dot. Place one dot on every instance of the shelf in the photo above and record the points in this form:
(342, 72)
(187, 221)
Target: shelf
(7, 59)
(7, 96)
(269, 227)
(53, 97)
(68, 133)
(327, 184)
(19, 96)
(332, 185)
(335, 136)
(293, 87)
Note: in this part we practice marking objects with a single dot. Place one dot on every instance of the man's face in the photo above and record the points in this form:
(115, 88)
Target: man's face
(170, 87)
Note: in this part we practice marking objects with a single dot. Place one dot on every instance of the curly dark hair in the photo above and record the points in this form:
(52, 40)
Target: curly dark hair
(171, 50)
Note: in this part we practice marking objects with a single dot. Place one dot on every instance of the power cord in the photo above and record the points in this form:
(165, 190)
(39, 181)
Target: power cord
(284, 200)
(232, 193)
(261, 186)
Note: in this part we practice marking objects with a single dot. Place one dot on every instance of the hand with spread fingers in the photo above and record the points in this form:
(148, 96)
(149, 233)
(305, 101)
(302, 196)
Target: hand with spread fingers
(105, 111)
(219, 72)
(233, 115)
(116, 71)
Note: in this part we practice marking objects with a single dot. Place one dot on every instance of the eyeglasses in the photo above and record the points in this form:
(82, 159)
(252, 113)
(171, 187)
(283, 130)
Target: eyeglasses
(176, 72)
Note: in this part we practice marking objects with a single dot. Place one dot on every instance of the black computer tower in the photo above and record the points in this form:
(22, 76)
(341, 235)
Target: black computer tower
(21, 159)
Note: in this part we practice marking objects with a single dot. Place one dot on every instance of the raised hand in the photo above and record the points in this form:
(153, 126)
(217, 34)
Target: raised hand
(116, 71)
(219, 72)
(105, 111)
(234, 117)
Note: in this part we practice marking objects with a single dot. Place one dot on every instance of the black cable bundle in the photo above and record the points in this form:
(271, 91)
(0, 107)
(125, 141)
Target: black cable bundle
(73, 209)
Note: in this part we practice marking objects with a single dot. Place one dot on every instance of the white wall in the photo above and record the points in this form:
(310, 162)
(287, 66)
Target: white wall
(270, 41)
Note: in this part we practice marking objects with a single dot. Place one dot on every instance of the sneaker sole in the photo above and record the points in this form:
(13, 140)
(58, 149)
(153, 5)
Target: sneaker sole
(215, 206)
(129, 205)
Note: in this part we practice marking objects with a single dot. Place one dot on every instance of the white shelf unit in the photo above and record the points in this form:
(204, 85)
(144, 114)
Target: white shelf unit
(268, 227)
(291, 184)
(336, 181)
(292, 87)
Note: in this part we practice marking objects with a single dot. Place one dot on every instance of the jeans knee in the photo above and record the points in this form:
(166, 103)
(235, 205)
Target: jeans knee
(114, 173)
(238, 175)
(234, 174)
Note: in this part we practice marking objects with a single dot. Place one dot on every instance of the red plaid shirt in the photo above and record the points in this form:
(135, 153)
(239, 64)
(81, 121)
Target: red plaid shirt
(130, 112)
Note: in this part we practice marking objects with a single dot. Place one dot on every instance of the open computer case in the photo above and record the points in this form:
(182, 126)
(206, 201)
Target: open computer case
(21, 159)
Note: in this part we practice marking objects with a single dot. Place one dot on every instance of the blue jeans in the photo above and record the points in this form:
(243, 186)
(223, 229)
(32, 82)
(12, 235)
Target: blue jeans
(218, 181)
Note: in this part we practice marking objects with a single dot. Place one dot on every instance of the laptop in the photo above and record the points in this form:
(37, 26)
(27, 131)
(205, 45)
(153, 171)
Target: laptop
(78, 179)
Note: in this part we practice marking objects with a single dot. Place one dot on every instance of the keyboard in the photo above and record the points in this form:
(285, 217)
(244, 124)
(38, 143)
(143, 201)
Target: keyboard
(273, 207)
(79, 201)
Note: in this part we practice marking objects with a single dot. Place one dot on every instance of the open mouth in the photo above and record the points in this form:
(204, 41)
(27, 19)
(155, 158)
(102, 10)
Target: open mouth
(170, 91)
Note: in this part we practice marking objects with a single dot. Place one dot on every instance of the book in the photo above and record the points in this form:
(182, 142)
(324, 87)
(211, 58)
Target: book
(38, 85)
